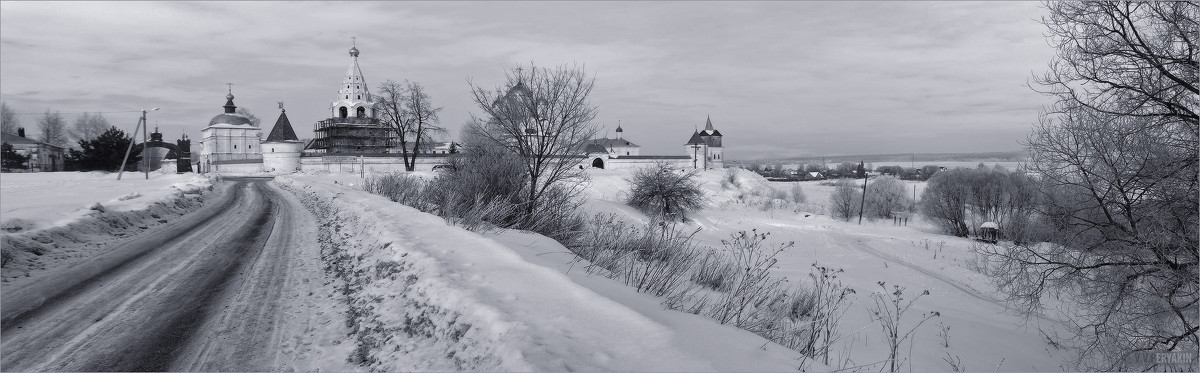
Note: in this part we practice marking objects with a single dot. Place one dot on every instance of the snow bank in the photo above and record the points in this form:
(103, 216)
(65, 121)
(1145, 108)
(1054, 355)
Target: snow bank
(55, 218)
(48, 199)
(428, 296)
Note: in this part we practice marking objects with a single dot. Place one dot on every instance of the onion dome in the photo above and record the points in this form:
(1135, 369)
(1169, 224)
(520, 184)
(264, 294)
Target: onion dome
(230, 116)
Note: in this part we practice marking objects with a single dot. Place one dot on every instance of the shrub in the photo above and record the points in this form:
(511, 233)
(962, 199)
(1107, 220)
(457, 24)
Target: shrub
(482, 185)
(665, 194)
(730, 181)
(714, 271)
(401, 188)
(889, 310)
(845, 200)
(753, 285)
(798, 194)
(656, 259)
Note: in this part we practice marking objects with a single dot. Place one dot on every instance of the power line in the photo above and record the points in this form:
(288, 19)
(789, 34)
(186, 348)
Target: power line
(86, 112)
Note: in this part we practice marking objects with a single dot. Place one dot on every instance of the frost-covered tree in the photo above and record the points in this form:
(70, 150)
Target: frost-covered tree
(253, 118)
(886, 194)
(845, 200)
(88, 126)
(53, 129)
(1116, 153)
(8, 119)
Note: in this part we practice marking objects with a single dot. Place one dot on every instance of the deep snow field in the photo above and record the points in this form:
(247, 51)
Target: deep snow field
(980, 332)
(426, 295)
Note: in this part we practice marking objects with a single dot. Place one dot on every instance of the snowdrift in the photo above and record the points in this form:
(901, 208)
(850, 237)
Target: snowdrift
(425, 295)
(71, 218)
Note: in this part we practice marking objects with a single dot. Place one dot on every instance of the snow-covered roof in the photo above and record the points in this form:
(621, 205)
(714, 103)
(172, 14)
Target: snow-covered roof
(989, 224)
(12, 139)
(613, 143)
(234, 119)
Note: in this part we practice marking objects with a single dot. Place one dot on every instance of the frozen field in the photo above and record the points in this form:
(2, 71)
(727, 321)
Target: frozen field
(978, 328)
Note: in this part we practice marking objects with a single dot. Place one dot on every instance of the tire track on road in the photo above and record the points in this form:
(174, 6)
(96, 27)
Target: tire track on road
(152, 302)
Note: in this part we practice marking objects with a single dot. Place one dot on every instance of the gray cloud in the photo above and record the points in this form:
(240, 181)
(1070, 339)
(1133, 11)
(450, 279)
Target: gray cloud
(778, 78)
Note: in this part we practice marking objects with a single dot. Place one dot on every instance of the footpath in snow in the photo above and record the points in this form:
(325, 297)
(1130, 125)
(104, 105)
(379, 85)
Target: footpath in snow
(425, 295)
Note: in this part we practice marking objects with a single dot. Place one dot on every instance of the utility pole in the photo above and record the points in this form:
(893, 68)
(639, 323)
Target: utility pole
(130, 148)
(142, 126)
(145, 158)
(695, 153)
(862, 204)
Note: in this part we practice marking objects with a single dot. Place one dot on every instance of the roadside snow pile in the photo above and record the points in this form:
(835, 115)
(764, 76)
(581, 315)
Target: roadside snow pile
(50, 217)
(425, 295)
(50, 199)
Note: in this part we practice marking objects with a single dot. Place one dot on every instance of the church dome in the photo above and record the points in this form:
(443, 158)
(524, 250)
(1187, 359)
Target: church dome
(230, 116)
(234, 119)
(353, 51)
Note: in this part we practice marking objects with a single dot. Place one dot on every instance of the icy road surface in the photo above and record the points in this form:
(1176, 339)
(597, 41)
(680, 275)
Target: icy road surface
(217, 290)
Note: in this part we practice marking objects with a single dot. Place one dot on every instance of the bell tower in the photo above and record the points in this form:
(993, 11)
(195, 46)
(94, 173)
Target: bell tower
(354, 98)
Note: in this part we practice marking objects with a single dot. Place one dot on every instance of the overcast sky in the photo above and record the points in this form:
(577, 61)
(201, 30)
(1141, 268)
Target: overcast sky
(779, 79)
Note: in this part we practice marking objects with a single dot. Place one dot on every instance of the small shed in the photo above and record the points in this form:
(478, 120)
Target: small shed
(989, 231)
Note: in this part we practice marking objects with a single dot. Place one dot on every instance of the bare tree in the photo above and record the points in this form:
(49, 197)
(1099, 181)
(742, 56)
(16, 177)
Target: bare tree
(845, 200)
(88, 127)
(407, 109)
(8, 119)
(53, 129)
(254, 121)
(1117, 156)
(544, 116)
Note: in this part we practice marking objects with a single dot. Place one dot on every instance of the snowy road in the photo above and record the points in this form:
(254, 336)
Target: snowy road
(207, 292)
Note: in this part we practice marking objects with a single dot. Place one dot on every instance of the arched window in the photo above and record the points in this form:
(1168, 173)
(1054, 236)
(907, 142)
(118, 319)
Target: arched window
(342, 111)
(359, 97)
(362, 112)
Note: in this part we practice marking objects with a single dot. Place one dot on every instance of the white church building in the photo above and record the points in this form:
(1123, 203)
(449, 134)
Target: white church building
(233, 144)
(354, 140)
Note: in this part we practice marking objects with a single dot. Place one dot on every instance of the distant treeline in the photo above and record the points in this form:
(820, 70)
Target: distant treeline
(1013, 156)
